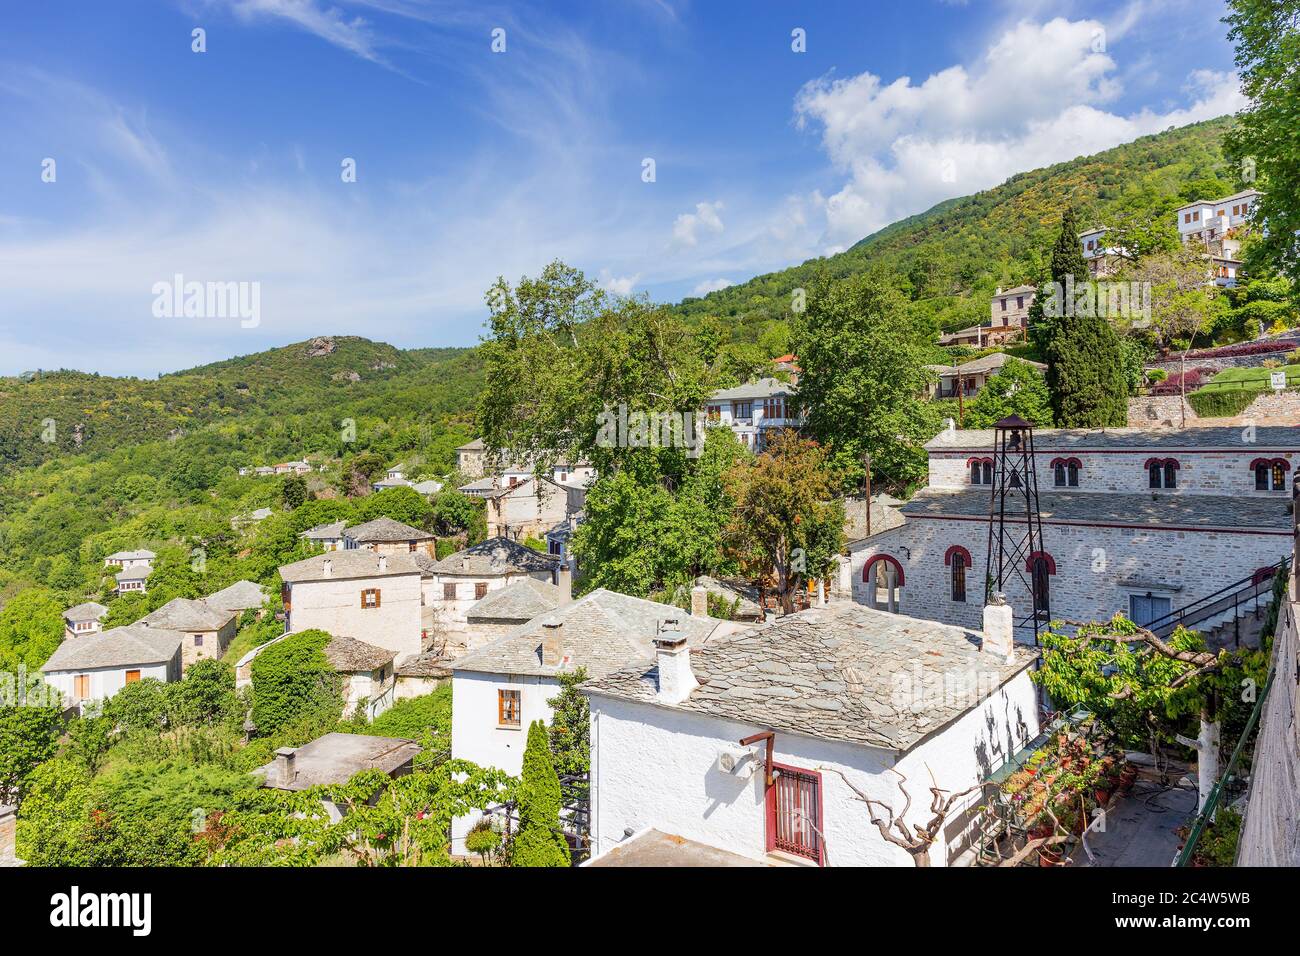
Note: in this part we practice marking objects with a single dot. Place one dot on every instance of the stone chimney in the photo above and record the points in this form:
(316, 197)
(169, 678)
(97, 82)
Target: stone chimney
(999, 641)
(383, 562)
(284, 772)
(699, 601)
(564, 580)
(8, 836)
(676, 679)
(464, 563)
(552, 642)
(327, 567)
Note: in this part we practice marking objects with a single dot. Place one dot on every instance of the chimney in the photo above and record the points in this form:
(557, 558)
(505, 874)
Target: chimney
(998, 623)
(327, 567)
(676, 679)
(552, 642)
(383, 562)
(699, 601)
(464, 563)
(284, 772)
(564, 580)
(8, 836)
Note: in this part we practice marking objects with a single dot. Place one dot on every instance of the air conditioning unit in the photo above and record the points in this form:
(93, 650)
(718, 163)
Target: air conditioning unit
(735, 760)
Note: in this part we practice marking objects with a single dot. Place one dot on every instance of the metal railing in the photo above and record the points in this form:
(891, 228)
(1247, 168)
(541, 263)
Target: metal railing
(1240, 596)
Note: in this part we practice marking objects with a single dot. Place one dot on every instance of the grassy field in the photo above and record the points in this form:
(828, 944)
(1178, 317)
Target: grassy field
(1233, 389)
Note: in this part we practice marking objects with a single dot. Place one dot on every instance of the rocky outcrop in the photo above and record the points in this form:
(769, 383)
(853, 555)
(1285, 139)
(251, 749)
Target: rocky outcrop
(320, 346)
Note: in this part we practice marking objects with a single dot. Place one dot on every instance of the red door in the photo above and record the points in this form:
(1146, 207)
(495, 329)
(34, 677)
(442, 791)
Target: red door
(794, 812)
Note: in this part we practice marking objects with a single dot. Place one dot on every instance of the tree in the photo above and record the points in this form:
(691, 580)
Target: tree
(31, 629)
(1266, 140)
(293, 682)
(455, 512)
(206, 695)
(294, 491)
(781, 508)
(863, 354)
(1085, 367)
(1017, 389)
(140, 706)
(401, 504)
(29, 736)
(89, 740)
(540, 840)
(570, 731)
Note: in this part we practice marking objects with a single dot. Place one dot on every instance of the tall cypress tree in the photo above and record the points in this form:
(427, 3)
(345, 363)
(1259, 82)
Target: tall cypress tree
(1085, 365)
(540, 841)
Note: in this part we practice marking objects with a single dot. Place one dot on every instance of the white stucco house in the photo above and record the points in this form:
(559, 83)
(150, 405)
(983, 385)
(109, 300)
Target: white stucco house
(454, 584)
(745, 743)
(328, 536)
(362, 594)
(95, 667)
(1144, 521)
(83, 619)
(133, 580)
(368, 675)
(500, 689)
(206, 630)
(141, 558)
(753, 409)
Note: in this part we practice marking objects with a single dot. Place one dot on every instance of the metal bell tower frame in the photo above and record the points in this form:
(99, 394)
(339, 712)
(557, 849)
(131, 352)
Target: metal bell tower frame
(1015, 528)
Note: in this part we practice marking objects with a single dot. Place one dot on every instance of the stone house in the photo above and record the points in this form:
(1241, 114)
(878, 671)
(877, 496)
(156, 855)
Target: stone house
(1144, 521)
(386, 536)
(328, 537)
(530, 508)
(749, 742)
(454, 584)
(83, 619)
(967, 379)
(133, 580)
(130, 559)
(94, 668)
(335, 758)
(369, 677)
(505, 609)
(206, 631)
(363, 594)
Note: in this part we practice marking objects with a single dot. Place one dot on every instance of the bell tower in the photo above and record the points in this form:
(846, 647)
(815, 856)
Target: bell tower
(1015, 540)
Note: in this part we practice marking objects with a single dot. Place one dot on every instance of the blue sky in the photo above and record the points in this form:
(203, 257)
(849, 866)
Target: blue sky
(225, 165)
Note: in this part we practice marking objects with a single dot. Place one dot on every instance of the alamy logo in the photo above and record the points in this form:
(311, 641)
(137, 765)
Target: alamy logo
(1116, 299)
(74, 908)
(637, 429)
(178, 299)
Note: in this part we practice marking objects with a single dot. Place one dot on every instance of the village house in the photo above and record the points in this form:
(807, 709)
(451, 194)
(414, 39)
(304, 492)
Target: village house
(454, 584)
(501, 688)
(560, 536)
(753, 409)
(83, 619)
(753, 743)
(133, 580)
(206, 631)
(1144, 521)
(474, 462)
(530, 508)
(239, 597)
(292, 468)
(386, 536)
(95, 667)
(1102, 260)
(470, 459)
(328, 537)
(366, 595)
(505, 609)
(368, 675)
(125, 560)
(1008, 320)
(968, 378)
(334, 759)
(1216, 227)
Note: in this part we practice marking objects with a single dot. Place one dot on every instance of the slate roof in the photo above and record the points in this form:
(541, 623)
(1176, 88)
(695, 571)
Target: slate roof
(323, 532)
(603, 632)
(386, 529)
(832, 672)
(348, 655)
(335, 758)
(989, 363)
(117, 647)
(884, 515)
(763, 388)
(131, 555)
(427, 664)
(240, 596)
(138, 573)
(475, 445)
(496, 556)
(183, 614)
(357, 563)
(730, 591)
(519, 601)
(427, 487)
(1155, 509)
(1156, 438)
(90, 611)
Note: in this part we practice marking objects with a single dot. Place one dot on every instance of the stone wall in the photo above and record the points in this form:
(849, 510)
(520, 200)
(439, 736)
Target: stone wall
(1270, 834)
(1270, 408)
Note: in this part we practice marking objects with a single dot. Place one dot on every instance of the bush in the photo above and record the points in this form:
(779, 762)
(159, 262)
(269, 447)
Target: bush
(1221, 402)
(483, 839)
(292, 681)
(540, 841)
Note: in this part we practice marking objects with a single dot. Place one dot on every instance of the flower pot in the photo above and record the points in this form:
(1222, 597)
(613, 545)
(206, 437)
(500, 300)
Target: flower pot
(1102, 797)
(1047, 856)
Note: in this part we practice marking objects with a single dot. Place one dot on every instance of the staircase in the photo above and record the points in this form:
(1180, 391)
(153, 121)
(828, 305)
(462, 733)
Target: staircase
(1230, 617)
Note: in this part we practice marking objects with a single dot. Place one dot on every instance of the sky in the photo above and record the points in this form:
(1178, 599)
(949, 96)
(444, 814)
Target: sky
(369, 167)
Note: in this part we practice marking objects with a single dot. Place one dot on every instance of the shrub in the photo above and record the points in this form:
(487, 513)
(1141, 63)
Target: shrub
(540, 841)
(292, 681)
(483, 839)
(1221, 402)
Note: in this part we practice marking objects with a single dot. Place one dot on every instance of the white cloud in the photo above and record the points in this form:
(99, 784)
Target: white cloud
(688, 225)
(618, 285)
(1037, 96)
(711, 285)
(353, 34)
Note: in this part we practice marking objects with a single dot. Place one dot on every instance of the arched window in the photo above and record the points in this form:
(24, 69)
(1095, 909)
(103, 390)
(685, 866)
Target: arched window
(1280, 467)
(959, 577)
(976, 472)
(1171, 473)
(1041, 566)
(1262, 472)
(1162, 472)
(1058, 474)
(1154, 474)
(988, 471)
(1072, 473)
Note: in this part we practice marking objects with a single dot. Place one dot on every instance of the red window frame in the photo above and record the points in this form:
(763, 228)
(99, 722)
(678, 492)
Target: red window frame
(771, 798)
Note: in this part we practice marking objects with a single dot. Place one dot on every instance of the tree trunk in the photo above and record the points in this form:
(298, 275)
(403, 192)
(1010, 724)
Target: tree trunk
(1207, 755)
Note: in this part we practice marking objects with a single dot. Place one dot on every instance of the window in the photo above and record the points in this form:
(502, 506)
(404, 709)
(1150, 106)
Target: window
(508, 708)
(1058, 475)
(959, 577)
(774, 407)
(1040, 573)
(1003, 303)
(1171, 473)
(411, 547)
(1153, 474)
(198, 640)
(981, 471)
(1072, 474)
(1162, 472)
(1196, 216)
(1187, 217)
(1020, 302)
(714, 412)
(1143, 609)
(370, 597)
(81, 686)
(1261, 477)
(132, 676)
(449, 592)
(480, 590)
(742, 410)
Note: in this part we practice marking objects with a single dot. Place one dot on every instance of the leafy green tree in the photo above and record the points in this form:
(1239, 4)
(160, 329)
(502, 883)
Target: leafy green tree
(140, 706)
(782, 508)
(293, 681)
(454, 512)
(401, 504)
(863, 361)
(1265, 143)
(1017, 389)
(89, 740)
(206, 695)
(293, 492)
(29, 736)
(31, 629)
(570, 731)
(539, 840)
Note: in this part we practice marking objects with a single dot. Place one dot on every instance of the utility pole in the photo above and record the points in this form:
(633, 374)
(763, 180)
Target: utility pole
(866, 488)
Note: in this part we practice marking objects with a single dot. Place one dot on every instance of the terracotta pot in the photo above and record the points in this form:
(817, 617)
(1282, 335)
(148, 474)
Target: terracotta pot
(1103, 797)
(1047, 856)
